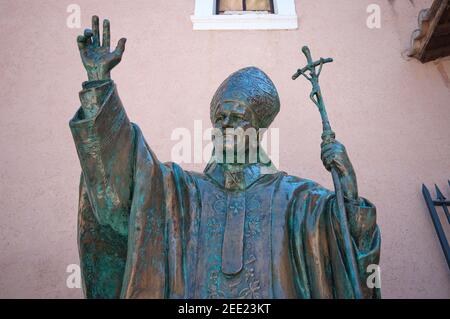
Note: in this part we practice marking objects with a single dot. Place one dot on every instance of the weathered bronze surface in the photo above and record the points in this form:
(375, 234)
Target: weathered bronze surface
(238, 230)
(328, 137)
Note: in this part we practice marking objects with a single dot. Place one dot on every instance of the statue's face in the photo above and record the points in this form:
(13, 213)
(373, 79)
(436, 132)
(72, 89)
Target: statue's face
(234, 119)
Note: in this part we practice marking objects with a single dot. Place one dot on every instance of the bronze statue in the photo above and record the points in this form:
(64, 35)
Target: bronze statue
(240, 229)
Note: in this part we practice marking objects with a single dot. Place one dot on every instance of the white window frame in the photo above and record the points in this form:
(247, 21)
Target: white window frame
(205, 18)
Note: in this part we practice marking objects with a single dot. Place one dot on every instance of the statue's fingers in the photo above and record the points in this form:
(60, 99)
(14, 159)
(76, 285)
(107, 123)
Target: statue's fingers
(330, 156)
(327, 156)
(327, 142)
(81, 41)
(84, 41)
(95, 31)
(327, 152)
(339, 165)
(327, 164)
(88, 36)
(88, 33)
(326, 147)
(120, 47)
(106, 34)
(336, 147)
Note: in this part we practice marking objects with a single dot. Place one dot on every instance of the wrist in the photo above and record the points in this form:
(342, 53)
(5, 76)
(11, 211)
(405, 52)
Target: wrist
(99, 77)
(349, 186)
(98, 74)
(352, 200)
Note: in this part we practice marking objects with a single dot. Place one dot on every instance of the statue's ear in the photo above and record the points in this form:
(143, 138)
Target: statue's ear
(215, 110)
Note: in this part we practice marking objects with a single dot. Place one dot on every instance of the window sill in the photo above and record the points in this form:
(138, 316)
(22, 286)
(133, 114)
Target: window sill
(245, 22)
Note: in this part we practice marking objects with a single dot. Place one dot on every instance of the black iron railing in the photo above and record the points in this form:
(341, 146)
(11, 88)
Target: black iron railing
(442, 202)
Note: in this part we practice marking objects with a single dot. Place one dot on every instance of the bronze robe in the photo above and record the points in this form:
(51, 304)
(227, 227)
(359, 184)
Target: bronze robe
(153, 230)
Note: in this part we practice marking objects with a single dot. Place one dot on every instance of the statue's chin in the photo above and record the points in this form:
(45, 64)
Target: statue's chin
(231, 150)
(234, 154)
(228, 152)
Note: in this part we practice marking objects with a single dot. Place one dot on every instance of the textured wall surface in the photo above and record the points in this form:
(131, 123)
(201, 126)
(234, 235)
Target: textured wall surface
(392, 114)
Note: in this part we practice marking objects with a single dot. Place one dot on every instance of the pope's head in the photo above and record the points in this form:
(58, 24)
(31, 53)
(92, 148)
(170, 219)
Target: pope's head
(244, 103)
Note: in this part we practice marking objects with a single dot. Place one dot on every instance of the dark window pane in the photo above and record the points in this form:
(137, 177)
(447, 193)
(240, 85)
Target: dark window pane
(258, 5)
(230, 5)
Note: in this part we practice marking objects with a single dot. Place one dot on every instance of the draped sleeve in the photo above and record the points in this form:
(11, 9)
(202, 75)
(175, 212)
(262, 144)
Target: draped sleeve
(134, 211)
(317, 246)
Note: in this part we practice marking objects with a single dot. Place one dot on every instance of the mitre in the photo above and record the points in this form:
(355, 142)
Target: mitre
(255, 89)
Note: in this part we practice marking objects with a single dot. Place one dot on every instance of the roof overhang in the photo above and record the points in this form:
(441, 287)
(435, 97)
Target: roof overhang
(432, 40)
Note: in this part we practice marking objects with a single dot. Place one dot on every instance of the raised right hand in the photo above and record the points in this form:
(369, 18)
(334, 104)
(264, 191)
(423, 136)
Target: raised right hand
(97, 58)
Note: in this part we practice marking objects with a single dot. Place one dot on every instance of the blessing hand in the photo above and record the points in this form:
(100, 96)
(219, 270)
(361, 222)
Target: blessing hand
(97, 58)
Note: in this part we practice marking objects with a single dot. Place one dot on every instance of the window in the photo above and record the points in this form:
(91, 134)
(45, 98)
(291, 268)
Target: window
(244, 15)
(244, 6)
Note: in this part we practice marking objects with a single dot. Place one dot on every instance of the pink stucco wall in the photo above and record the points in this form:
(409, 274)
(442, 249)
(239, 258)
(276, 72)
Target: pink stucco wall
(393, 116)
